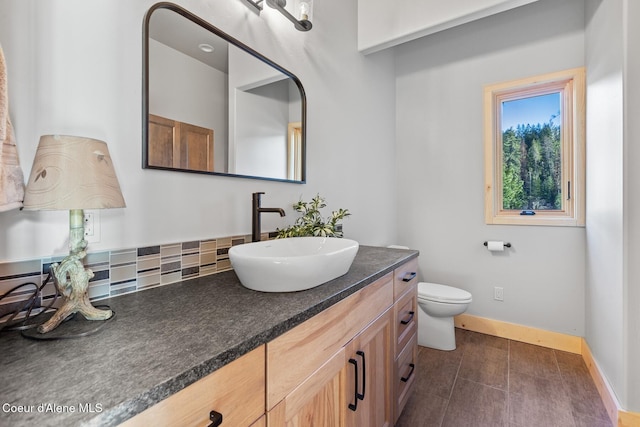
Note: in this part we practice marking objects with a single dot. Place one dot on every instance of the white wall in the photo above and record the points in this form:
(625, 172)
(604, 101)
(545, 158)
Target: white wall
(440, 165)
(186, 100)
(295, 103)
(75, 67)
(200, 100)
(262, 117)
(632, 201)
(613, 209)
(605, 237)
(247, 72)
(384, 23)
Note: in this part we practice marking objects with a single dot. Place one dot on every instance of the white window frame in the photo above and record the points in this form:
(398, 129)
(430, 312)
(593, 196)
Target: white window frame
(571, 84)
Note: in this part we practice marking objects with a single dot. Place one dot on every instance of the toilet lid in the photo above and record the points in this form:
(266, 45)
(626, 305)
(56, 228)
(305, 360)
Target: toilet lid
(442, 293)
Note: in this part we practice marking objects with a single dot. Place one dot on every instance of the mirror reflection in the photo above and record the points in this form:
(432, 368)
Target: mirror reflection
(213, 105)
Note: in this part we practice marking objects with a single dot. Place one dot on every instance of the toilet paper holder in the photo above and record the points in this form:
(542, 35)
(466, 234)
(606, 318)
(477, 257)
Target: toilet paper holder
(506, 245)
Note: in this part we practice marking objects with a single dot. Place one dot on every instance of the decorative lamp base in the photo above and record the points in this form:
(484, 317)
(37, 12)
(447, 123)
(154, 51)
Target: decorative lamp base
(72, 279)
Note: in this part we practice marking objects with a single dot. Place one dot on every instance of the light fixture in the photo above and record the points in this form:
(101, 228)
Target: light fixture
(73, 173)
(303, 9)
(205, 47)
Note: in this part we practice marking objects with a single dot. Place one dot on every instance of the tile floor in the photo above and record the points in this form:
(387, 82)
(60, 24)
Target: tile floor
(491, 381)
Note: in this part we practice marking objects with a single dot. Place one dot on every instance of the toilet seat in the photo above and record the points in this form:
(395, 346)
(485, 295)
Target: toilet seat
(442, 293)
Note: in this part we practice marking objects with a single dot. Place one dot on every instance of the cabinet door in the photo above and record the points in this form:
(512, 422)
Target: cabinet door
(179, 145)
(196, 148)
(316, 402)
(163, 150)
(262, 422)
(368, 402)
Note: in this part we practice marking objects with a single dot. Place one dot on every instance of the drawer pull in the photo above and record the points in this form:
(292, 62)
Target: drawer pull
(216, 418)
(354, 406)
(409, 276)
(364, 375)
(406, 322)
(405, 379)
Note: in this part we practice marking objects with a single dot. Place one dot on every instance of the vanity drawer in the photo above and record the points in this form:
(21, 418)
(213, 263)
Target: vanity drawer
(235, 390)
(404, 277)
(299, 352)
(405, 315)
(405, 375)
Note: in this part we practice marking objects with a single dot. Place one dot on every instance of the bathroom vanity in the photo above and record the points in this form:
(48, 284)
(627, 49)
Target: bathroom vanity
(342, 353)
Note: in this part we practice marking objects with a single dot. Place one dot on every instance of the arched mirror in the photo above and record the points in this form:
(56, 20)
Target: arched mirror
(213, 105)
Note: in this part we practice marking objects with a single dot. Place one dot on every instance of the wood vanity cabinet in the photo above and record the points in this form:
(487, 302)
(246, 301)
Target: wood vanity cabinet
(329, 396)
(405, 341)
(311, 369)
(309, 378)
(236, 391)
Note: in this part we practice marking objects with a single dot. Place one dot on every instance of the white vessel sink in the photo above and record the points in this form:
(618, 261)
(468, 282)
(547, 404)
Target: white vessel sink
(292, 264)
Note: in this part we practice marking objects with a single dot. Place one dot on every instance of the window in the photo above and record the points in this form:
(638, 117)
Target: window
(534, 150)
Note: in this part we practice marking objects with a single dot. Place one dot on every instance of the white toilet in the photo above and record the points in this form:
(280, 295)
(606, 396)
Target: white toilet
(438, 304)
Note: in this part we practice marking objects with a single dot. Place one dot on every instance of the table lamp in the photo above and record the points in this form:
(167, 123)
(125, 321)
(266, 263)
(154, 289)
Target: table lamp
(73, 173)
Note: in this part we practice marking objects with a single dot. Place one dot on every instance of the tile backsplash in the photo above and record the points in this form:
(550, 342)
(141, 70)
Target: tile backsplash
(123, 271)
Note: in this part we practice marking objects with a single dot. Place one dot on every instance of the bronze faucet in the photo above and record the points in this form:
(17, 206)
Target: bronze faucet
(257, 210)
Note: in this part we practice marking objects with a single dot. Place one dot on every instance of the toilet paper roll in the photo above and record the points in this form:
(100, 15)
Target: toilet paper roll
(495, 246)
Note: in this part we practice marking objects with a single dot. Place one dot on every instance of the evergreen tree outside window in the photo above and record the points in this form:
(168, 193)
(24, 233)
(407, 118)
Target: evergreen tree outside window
(534, 150)
(531, 153)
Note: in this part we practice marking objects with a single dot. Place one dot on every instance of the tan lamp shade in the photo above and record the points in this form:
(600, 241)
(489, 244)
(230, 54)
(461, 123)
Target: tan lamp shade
(71, 172)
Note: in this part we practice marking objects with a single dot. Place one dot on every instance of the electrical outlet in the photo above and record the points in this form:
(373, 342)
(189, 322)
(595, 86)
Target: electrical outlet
(498, 293)
(88, 224)
(92, 226)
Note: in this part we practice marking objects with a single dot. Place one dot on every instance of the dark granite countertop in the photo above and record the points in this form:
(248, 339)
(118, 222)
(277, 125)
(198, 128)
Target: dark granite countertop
(161, 341)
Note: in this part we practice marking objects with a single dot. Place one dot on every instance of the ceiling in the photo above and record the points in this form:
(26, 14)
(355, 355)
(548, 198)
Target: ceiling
(183, 35)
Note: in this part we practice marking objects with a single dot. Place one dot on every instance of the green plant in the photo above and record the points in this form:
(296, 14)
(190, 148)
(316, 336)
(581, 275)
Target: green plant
(311, 223)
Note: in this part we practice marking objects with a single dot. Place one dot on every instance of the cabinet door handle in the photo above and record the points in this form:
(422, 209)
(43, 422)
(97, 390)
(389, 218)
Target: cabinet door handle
(405, 379)
(216, 418)
(364, 374)
(354, 406)
(409, 276)
(406, 322)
